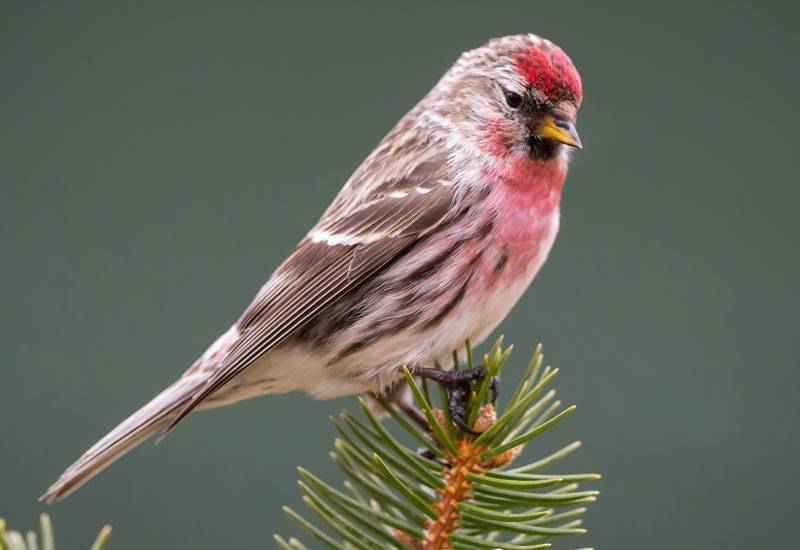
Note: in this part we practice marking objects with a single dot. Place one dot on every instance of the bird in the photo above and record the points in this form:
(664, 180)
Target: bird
(429, 243)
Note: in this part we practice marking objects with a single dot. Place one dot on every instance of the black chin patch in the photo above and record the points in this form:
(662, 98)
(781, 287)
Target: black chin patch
(543, 149)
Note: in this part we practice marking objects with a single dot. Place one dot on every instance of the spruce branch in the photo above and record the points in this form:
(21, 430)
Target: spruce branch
(458, 490)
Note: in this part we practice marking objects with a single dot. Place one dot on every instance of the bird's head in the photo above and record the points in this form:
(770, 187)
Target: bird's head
(515, 95)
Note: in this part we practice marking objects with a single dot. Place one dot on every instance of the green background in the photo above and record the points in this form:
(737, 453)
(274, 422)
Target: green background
(158, 160)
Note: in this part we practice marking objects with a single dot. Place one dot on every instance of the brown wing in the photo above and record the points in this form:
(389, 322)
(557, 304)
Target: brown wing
(348, 245)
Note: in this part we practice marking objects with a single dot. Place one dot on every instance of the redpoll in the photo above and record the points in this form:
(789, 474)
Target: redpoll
(429, 243)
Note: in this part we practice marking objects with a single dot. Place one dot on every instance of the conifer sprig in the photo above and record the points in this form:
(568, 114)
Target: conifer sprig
(457, 490)
(44, 538)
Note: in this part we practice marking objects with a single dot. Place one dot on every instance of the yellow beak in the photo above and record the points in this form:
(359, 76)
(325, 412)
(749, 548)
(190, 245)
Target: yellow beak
(560, 130)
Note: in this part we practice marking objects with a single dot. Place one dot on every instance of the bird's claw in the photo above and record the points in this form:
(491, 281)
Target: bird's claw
(458, 412)
(494, 386)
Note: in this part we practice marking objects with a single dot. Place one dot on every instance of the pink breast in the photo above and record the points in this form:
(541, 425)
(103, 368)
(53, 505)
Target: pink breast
(526, 197)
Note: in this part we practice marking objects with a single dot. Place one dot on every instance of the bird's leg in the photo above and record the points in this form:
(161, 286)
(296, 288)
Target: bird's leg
(413, 413)
(457, 384)
(400, 399)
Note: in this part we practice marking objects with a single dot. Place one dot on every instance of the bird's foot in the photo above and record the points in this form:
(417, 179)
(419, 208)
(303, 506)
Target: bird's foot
(458, 388)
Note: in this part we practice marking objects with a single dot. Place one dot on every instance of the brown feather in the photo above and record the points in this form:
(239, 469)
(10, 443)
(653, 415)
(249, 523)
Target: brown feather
(378, 228)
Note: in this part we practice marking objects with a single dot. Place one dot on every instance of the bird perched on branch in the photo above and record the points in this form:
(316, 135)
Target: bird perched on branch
(429, 243)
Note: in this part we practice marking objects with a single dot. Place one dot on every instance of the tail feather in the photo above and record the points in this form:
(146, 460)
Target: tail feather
(134, 430)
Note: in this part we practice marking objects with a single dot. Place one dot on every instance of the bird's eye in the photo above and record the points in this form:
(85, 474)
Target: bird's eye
(513, 99)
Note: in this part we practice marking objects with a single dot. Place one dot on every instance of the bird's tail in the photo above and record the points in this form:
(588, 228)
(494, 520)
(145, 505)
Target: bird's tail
(135, 429)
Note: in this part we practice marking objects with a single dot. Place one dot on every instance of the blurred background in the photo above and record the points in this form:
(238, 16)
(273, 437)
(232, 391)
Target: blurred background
(157, 161)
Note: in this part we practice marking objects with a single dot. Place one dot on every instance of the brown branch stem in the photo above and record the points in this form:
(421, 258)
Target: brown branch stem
(458, 487)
